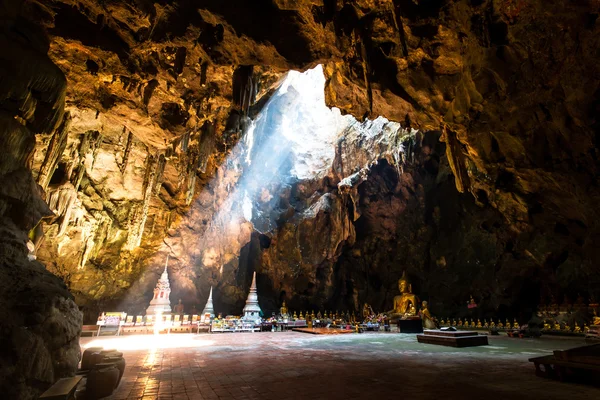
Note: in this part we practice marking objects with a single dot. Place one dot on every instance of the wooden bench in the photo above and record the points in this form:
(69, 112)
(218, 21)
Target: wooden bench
(93, 329)
(555, 368)
(63, 389)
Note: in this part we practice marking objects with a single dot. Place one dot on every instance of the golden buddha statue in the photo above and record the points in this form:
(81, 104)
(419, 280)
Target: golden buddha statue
(301, 315)
(460, 324)
(295, 316)
(577, 328)
(403, 302)
(283, 310)
(595, 318)
(500, 324)
(472, 323)
(507, 324)
(443, 322)
(428, 320)
(453, 322)
(492, 324)
(485, 324)
(556, 326)
(312, 314)
(479, 324)
(547, 326)
(516, 324)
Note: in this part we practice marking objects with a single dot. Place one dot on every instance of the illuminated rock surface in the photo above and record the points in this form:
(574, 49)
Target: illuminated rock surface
(495, 195)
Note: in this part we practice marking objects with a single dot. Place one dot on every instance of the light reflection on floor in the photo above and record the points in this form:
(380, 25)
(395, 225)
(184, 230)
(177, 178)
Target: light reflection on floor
(291, 365)
(149, 342)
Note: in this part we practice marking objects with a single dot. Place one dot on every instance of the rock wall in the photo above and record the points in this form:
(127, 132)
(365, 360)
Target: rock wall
(40, 321)
(496, 198)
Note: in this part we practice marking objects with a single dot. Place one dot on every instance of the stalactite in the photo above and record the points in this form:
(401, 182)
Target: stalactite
(127, 152)
(61, 201)
(456, 159)
(366, 73)
(56, 147)
(153, 174)
(191, 187)
(244, 88)
(206, 146)
(397, 14)
(160, 169)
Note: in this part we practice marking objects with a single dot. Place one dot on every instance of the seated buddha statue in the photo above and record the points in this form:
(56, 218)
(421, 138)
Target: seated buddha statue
(595, 318)
(577, 329)
(556, 326)
(500, 324)
(492, 324)
(460, 324)
(453, 322)
(404, 301)
(479, 323)
(516, 324)
(547, 326)
(295, 316)
(283, 310)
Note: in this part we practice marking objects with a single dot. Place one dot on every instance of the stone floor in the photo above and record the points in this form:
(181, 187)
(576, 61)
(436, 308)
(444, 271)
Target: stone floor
(291, 365)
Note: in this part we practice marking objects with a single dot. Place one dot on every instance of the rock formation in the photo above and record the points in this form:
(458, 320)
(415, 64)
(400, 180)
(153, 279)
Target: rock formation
(40, 321)
(488, 185)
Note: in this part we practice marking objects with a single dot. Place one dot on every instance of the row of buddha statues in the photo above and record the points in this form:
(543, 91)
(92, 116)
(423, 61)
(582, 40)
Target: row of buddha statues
(580, 305)
(507, 325)
(311, 315)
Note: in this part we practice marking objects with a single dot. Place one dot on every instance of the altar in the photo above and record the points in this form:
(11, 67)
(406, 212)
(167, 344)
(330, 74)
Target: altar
(410, 325)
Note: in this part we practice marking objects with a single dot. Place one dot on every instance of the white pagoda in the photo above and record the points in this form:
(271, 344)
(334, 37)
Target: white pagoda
(252, 309)
(208, 308)
(160, 303)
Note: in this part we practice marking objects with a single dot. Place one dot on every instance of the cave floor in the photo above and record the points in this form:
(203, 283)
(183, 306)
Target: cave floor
(291, 365)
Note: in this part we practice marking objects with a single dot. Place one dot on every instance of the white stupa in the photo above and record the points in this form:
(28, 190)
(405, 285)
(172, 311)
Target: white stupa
(252, 309)
(208, 308)
(160, 303)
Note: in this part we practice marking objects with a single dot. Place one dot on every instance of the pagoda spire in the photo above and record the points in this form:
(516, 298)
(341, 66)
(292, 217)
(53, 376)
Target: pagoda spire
(160, 303)
(208, 308)
(252, 310)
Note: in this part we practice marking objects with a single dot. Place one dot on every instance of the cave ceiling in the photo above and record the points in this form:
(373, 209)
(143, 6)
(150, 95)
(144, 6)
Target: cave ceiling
(501, 177)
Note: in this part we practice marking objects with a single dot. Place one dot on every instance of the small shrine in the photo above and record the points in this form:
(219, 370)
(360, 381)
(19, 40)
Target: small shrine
(252, 310)
(160, 303)
(208, 308)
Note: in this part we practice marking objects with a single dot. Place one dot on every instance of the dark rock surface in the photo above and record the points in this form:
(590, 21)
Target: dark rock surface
(40, 321)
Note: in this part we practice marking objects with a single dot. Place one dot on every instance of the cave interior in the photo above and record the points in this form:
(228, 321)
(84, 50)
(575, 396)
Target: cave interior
(327, 146)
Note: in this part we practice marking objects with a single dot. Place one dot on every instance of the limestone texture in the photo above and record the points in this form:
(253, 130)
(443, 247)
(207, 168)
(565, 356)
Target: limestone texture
(489, 187)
